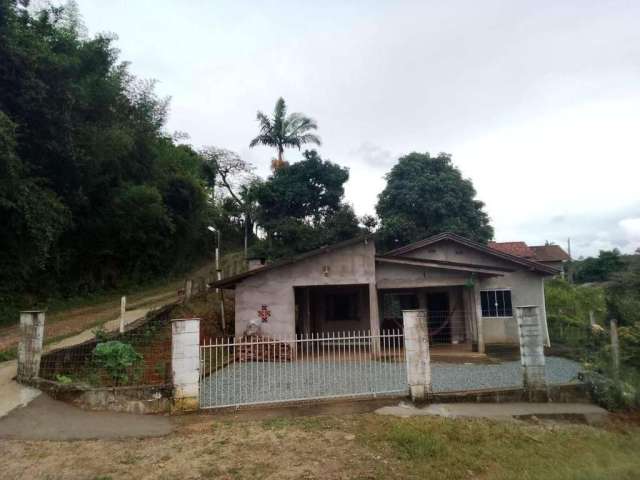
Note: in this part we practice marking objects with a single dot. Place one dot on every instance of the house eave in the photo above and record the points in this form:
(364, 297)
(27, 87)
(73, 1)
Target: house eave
(444, 265)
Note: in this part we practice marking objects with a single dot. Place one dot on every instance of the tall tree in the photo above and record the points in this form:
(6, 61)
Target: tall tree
(93, 191)
(282, 131)
(235, 176)
(301, 207)
(427, 195)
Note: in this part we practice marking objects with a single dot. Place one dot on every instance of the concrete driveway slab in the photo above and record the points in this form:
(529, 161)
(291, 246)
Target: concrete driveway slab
(48, 419)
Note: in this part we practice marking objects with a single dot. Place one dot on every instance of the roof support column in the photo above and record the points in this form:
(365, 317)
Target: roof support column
(478, 308)
(374, 312)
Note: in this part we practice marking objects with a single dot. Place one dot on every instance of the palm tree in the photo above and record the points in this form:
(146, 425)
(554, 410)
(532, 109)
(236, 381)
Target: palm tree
(284, 131)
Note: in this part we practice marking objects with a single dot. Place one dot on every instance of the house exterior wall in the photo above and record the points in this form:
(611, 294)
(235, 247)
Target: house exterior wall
(389, 276)
(527, 288)
(356, 265)
(453, 252)
(350, 265)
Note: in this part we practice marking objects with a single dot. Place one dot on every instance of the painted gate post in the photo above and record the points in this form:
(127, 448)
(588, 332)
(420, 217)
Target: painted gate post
(531, 347)
(185, 363)
(416, 348)
(30, 346)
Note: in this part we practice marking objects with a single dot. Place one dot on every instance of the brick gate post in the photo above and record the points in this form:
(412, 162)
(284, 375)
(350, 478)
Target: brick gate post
(416, 348)
(185, 363)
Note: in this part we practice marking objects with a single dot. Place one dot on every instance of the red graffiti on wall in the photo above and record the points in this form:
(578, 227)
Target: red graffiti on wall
(264, 313)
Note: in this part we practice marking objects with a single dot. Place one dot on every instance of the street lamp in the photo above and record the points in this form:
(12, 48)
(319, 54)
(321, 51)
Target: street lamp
(218, 274)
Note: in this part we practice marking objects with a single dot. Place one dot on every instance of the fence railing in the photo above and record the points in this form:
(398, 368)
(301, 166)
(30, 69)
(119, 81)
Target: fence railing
(254, 370)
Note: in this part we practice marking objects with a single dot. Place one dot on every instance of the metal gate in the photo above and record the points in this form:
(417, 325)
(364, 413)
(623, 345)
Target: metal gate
(259, 370)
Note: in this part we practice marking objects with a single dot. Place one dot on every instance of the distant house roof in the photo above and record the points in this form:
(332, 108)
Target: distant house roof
(519, 249)
(550, 253)
(539, 253)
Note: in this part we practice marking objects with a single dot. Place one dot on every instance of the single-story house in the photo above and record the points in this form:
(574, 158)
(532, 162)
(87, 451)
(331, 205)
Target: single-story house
(551, 255)
(468, 289)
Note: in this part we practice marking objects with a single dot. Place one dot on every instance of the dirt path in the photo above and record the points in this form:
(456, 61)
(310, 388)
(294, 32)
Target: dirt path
(69, 322)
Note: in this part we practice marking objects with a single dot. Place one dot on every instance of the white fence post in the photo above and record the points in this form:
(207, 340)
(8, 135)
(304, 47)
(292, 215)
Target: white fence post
(123, 309)
(615, 348)
(30, 346)
(531, 347)
(416, 347)
(185, 363)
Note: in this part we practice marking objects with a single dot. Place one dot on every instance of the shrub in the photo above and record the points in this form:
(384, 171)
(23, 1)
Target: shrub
(621, 392)
(119, 360)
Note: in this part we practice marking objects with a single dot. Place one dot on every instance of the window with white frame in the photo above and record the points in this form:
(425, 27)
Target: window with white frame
(496, 303)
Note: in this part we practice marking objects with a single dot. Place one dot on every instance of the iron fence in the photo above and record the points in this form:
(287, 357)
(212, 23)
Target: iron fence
(255, 370)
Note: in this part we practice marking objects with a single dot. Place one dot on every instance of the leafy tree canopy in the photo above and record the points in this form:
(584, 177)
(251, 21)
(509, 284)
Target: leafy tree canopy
(427, 195)
(600, 268)
(300, 206)
(93, 191)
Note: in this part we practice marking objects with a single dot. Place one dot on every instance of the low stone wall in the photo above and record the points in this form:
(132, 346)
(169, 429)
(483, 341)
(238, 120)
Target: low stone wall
(137, 399)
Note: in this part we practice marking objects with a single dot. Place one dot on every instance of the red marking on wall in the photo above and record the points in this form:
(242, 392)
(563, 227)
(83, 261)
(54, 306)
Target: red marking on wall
(264, 313)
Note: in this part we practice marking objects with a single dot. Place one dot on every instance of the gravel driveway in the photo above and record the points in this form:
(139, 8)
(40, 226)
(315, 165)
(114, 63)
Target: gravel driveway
(255, 382)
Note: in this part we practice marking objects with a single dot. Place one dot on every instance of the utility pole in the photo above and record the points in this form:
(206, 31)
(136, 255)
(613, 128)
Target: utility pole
(570, 262)
(219, 277)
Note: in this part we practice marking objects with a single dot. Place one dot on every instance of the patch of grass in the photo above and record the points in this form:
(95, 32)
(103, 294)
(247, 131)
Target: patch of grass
(413, 443)
(437, 448)
(10, 354)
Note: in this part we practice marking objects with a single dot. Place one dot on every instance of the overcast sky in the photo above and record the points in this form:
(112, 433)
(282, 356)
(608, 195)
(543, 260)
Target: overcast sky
(537, 101)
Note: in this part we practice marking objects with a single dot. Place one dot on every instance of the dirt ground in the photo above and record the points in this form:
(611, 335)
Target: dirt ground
(362, 446)
(70, 322)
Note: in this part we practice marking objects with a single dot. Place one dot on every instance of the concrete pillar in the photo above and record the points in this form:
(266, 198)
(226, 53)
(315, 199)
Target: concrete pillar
(416, 348)
(531, 347)
(30, 346)
(478, 308)
(185, 363)
(374, 319)
(374, 311)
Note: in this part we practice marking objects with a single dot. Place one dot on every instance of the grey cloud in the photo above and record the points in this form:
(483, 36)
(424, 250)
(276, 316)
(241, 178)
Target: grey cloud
(373, 155)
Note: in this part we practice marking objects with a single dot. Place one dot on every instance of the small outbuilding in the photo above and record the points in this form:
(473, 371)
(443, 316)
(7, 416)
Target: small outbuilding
(468, 289)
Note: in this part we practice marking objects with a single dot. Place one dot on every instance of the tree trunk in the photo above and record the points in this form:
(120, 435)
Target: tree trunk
(278, 162)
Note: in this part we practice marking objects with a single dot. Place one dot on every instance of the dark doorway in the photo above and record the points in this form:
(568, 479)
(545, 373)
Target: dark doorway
(438, 317)
(393, 303)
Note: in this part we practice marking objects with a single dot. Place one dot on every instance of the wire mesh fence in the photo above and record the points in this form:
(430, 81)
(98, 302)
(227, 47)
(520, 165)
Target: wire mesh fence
(139, 356)
(609, 358)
